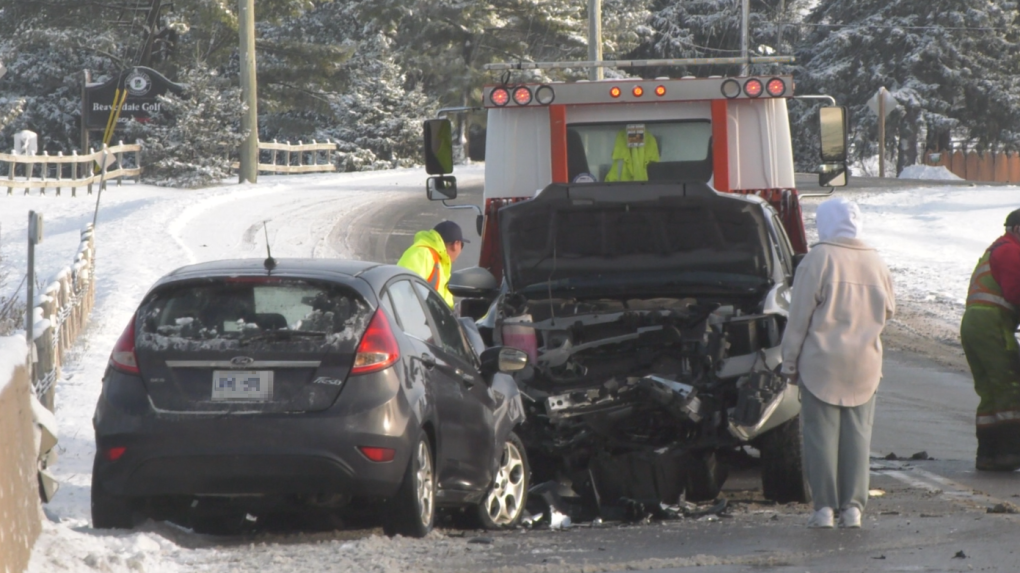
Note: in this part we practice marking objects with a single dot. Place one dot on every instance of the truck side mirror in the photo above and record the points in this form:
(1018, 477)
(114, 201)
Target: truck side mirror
(473, 282)
(832, 130)
(832, 123)
(832, 175)
(441, 188)
(438, 146)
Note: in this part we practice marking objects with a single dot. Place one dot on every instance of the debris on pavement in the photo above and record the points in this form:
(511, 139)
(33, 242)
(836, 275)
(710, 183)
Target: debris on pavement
(1004, 507)
(917, 456)
(876, 492)
(960, 555)
(481, 540)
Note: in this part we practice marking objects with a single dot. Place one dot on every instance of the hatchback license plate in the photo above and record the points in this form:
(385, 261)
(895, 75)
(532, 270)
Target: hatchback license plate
(246, 385)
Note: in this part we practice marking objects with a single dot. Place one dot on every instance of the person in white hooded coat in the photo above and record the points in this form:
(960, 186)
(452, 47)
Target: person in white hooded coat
(842, 298)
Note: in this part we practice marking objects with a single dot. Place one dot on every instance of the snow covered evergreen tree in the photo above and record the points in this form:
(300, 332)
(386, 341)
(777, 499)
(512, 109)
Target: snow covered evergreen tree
(711, 28)
(951, 64)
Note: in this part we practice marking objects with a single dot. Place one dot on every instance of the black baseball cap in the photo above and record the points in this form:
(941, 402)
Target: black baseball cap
(450, 232)
(1013, 219)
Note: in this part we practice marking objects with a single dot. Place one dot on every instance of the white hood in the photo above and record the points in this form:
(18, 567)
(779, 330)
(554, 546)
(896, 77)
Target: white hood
(838, 218)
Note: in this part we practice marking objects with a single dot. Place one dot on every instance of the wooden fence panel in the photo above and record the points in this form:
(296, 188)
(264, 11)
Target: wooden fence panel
(973, 168)
(1001, 167)
(986, 167)
(81, 168)
(1014, 167)
(20, 521)
(959, 165)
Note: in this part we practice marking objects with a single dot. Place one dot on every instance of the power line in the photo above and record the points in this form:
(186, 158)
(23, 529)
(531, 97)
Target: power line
(892, 27)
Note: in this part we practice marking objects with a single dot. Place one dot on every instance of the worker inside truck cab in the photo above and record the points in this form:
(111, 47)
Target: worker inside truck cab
(633, 149)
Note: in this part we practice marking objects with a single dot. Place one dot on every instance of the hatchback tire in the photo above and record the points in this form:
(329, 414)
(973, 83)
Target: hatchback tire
(782, 466)
(110, 511)
(504, 503)
(413, 510)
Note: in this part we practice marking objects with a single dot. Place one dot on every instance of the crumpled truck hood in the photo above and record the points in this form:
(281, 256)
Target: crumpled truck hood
(606, 239)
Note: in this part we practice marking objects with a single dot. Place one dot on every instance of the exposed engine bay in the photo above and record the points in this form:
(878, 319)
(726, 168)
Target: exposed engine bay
(635, 397)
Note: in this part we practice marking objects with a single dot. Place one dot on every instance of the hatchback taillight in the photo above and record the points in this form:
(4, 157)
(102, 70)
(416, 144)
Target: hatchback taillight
(378, 348)
(123, 356)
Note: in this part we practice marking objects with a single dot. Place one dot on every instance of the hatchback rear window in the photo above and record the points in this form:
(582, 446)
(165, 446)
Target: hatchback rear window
(281, 313)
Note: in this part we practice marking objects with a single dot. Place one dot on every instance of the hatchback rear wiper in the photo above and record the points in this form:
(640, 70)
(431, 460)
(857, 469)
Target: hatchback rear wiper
(282, 334)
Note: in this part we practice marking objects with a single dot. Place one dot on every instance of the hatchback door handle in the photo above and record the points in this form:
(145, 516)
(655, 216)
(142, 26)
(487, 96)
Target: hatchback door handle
(428, 360)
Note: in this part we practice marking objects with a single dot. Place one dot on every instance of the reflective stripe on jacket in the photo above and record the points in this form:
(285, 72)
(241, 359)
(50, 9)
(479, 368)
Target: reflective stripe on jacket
(984, 290)
(428, 258)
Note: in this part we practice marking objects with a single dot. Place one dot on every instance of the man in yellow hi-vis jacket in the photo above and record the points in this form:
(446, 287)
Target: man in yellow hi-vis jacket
(633, 149)
(988, 334)
(433, 253)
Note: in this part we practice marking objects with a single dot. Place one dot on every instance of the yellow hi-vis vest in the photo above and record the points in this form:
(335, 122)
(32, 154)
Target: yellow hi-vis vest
(984, 290)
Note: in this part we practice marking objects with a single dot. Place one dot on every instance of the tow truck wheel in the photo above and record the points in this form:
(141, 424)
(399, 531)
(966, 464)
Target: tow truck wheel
(504, 503)
(782, 473)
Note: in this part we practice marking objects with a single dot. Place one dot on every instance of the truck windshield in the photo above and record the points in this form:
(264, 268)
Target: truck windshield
(640, 151)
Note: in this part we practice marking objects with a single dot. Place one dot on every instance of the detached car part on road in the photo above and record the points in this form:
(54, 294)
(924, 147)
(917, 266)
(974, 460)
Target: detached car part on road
(652, 314)
(316, 384)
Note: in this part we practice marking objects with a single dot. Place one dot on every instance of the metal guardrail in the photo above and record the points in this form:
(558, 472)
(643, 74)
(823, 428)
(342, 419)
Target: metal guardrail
(80, 170)
(307, 155)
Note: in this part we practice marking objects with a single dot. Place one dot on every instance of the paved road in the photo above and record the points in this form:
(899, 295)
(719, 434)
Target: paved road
(931, 509)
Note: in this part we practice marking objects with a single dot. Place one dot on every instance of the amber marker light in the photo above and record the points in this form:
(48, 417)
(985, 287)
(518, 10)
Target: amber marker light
(638, 91)
(660, 91)
(615, 92)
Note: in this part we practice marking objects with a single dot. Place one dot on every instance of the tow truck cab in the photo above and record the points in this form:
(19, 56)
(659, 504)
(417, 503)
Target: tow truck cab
(732, 133)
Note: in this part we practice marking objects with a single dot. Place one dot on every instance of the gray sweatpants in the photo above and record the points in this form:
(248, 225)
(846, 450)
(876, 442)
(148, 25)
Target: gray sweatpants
(837, 448)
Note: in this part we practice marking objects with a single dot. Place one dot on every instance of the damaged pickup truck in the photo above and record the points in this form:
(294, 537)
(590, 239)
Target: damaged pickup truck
(652, 315)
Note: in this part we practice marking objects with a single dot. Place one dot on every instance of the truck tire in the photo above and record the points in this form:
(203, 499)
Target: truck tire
(503, 504)
(782, 467)
(110, 511)
(412, 511)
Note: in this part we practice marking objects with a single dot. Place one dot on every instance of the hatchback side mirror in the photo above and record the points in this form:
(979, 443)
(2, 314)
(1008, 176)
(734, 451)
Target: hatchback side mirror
(503, 359)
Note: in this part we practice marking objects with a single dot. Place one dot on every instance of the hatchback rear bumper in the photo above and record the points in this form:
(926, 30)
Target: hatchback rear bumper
(236, 454)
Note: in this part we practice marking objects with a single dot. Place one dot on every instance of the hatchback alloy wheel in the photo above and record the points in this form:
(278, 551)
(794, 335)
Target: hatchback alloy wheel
(504, 504)
(426, 484)
(412, 511)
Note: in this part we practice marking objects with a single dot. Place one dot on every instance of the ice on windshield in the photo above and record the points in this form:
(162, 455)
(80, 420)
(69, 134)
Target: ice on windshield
(292, 314)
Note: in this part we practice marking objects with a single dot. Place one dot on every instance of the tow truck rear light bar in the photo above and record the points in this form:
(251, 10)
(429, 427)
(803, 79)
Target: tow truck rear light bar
(637, 90)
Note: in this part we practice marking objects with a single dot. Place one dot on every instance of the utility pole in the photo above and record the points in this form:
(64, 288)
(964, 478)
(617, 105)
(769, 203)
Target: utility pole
(249, 160)
(595, 37)
(881, 131)
(745, 9)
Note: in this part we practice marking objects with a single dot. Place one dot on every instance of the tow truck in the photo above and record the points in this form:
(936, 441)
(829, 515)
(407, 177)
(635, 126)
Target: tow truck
(731, 132)
(639, 241)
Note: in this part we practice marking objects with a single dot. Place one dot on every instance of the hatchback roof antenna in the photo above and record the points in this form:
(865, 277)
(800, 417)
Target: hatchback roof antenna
(270, 262)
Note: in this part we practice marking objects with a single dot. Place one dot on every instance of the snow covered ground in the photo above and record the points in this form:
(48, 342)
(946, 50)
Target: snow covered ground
(930, 237)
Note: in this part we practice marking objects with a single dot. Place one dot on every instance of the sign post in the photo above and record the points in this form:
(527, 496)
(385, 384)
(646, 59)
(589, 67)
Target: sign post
(882, 104)
(35, 235)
